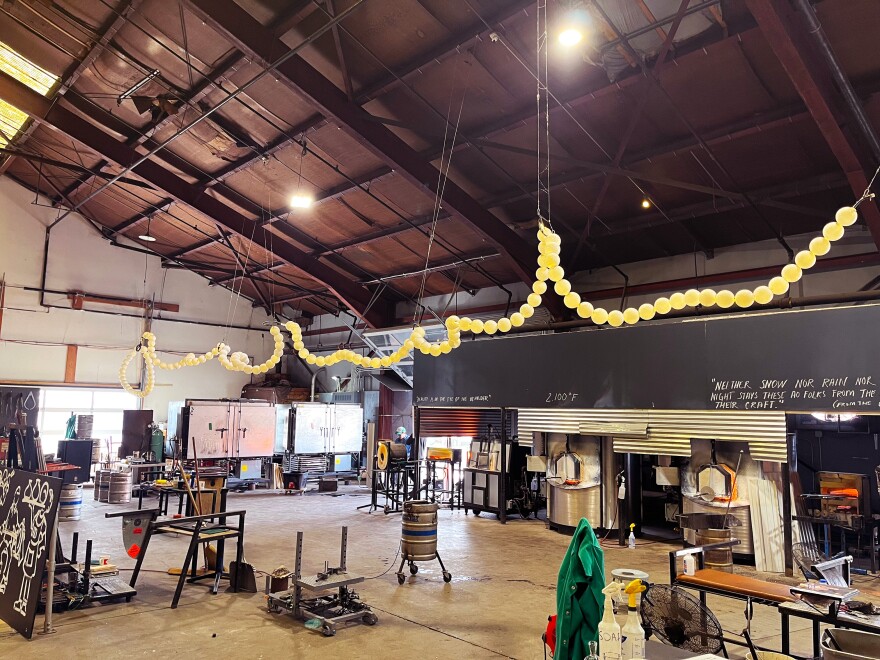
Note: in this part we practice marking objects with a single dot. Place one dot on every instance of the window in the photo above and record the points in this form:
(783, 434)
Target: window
(56, 405)
(25, 71)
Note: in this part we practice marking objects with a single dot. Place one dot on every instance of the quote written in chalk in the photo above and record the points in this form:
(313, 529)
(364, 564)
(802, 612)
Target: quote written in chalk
(789, 393)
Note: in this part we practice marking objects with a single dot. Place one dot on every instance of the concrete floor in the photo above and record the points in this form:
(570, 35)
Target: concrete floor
(503, 588)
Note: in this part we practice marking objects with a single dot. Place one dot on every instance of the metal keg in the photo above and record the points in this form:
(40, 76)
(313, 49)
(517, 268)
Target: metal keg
(119, 487)
(720, 559)
(419, 534)
(70, 506)
(104, 485)
(96, 450)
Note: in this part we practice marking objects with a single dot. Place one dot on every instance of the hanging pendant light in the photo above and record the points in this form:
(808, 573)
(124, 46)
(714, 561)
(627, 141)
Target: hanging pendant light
(147, 237)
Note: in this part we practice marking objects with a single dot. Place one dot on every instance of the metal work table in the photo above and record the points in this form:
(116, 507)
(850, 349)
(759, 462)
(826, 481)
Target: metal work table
(802, 610)
(658, 651)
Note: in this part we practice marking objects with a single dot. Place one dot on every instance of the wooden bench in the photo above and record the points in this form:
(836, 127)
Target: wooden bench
(720, 583)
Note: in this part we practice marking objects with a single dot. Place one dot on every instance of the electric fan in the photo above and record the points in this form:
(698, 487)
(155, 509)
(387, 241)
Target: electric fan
(679, 619)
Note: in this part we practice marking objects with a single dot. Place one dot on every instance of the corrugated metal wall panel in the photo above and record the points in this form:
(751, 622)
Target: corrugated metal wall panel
(669, 432)
(463, 422)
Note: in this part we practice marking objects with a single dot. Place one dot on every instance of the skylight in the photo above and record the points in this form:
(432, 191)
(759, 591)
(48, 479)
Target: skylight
(25, 71)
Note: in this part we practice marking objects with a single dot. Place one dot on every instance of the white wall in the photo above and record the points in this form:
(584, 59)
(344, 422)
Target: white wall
(33, 339)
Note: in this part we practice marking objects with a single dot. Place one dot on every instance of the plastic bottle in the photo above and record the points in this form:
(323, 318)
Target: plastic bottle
(633, 644)
(632, 537)
(690, 565)
(609, 629)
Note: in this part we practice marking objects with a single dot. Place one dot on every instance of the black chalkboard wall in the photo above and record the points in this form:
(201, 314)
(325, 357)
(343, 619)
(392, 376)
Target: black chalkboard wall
(818, 360)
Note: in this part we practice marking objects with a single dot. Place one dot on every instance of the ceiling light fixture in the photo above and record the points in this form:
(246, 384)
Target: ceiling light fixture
(646, 203)
(301, 201)
(570, 37)
(147, 237)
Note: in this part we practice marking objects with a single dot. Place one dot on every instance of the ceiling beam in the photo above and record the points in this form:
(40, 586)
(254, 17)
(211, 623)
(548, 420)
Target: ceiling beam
(783, 28)
(58, 117)
(247, 34)
(465, 39)
(163, 206)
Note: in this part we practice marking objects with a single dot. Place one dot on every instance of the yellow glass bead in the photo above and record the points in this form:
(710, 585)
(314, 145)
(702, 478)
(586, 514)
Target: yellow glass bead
(833, 231)
(846, 216)
(791, 273)
(805, 259)
(691, 297)
(527, 311)
(725, 299)
(677, 300)
(707, 297)
(534, 300)
(599, 316)
(504, 324)
(556, 273)
(646, 311)
(744, 298)
(585, 310)
(820, 246)
(778, 285)
(540, 287)
(615, 318)
(517, 319)
(490, 327)
(571, 300)
(476, 326)
(562, 287)
(662, 305)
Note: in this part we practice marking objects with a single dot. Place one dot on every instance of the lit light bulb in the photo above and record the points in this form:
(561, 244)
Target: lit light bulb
(646, 203)
(570, 37)
(301, 201)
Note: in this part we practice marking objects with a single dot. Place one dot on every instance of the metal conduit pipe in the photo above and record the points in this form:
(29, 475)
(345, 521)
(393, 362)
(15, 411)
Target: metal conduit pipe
(840, 77)
(314, 378)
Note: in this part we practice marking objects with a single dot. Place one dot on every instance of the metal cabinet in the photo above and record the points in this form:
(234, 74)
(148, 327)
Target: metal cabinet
(326, 428)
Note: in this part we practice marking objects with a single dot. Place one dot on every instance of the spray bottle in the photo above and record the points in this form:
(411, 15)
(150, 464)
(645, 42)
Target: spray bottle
(632, 537)
(633, 646)
(609, 629)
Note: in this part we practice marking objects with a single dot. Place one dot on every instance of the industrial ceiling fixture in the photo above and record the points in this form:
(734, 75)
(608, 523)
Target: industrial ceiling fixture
(134, 88)
(574, 24)
(301, 201)
(646, 203)
(147, 236)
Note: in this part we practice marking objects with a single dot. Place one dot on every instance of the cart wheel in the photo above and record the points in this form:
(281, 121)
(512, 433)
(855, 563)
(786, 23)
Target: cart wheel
(370, 619)
(477, 512)
(401, 578)
(447, 577)
(387, 510)
(413, 569)
(328, 631)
